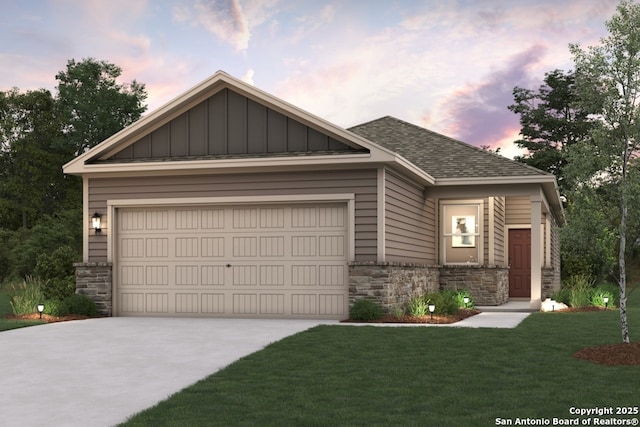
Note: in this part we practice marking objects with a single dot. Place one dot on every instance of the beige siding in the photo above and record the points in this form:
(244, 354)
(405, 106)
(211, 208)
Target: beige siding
(499, 227)
(360, 182)
(518, 210)
(409, 228)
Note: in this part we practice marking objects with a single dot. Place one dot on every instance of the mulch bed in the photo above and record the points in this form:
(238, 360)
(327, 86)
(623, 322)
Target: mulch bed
(611, 355)
(45, 317)
(437, 320)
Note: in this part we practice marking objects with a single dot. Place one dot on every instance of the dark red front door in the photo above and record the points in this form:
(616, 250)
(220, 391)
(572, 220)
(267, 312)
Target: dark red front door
(520, 262)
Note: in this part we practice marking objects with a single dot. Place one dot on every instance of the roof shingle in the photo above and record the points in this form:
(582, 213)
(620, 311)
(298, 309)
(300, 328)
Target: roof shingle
(439, 155)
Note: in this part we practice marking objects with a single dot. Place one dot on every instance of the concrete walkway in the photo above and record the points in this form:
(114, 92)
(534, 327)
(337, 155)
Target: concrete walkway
(98, 372)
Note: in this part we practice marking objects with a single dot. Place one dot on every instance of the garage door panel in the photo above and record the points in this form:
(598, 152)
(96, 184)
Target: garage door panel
(187, 303)
(263, 261)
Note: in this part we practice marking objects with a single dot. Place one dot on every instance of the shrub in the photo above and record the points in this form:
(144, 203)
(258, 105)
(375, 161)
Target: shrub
(445, 302)
(27, 295)
(81, 304)
(56, 270)
(576, 291)
(418, 306)
(397, 311)
(365, 310)
(601, 291)
(460, 296)
(57, 308)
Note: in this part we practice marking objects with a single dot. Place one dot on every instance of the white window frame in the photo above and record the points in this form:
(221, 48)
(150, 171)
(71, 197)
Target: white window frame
(477, 234)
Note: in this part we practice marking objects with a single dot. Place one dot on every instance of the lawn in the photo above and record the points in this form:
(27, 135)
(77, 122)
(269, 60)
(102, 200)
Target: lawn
(414, 376)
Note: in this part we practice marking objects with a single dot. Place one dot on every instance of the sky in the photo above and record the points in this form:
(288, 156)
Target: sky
(446, 65)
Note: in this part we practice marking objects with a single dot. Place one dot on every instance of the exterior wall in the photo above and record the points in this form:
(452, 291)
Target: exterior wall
(500, 257)
(360, 182)
(391, 284)
(410, 231)
(518, 210)
(487, 285)
(95, 281)
(229, 124)
(551, 280)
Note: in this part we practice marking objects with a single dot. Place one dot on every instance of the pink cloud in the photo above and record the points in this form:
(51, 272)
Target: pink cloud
(477, 113)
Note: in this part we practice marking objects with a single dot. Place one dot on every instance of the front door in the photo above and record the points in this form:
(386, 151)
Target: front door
(520, 263)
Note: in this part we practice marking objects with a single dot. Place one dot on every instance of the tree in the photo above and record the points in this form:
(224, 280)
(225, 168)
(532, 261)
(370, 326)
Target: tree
(608, 84)
(30, 182)
(551, 122)
(93, 106)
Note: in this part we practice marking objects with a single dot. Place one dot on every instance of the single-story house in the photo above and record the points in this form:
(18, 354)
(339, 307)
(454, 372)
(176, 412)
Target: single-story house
(228, 201)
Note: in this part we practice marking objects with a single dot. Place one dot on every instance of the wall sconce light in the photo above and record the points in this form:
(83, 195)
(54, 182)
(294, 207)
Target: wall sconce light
(40, 309)
(606, 302)
(432, 308)
(95, 222)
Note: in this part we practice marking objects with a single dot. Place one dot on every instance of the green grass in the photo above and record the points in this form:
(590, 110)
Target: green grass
(5, 309)
(383, 376)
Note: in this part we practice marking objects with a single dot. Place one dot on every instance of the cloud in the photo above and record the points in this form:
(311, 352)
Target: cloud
(229, 20)
(477, 112)
(248, 77)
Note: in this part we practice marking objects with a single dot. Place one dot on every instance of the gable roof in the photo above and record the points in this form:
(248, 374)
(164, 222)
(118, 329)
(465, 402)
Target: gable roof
(97, 159)
(439, 155)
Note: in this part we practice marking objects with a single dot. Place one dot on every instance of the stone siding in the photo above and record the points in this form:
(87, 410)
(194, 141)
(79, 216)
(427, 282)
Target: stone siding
(488, 285)
(550, 282)
(390, 284)
(94, 279)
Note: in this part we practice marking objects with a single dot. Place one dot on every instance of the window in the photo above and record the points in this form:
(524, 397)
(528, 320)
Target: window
(461, 224)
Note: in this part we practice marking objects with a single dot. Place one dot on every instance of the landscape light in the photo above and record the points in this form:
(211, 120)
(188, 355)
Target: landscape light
(606, 302)
(466, 301)
(432, 308)
(40, 309)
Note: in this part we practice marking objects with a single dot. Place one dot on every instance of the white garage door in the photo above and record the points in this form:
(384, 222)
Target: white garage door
(245, 261)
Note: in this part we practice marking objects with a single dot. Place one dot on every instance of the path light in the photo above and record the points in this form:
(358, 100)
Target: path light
(553, 305)
(466, 301)
(606, 302)
(432, 308)
(40, 309)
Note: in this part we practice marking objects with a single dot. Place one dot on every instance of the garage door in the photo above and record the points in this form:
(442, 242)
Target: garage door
(244, 261)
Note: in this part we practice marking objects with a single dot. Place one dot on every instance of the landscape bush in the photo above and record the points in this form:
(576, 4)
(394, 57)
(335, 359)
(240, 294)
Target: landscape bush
(445, 302)
(365, 310)
(601, 291)
(56, 308)
(418, 306)
(460, 295)
(56, 271)
(81, 304)
(26, 296)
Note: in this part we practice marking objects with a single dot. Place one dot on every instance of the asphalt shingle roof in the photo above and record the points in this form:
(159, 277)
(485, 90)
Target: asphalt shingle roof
(439, 155)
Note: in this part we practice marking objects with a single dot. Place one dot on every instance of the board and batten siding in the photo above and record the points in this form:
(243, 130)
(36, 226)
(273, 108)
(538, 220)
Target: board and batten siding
(410, 222)
(360, 182)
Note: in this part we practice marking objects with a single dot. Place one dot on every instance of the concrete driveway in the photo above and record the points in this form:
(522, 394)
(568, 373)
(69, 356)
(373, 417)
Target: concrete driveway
(98, 372)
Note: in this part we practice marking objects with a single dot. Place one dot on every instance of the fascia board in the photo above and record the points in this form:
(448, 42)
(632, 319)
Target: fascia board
(222, 164)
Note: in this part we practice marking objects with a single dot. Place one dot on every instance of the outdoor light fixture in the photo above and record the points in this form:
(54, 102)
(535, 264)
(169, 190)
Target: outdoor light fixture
(40, 309)
(432, 308)
(553, 305)
(95, 222)
(466, 301)
(606, 302)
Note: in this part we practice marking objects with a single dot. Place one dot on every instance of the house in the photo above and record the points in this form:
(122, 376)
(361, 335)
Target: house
(228, 201)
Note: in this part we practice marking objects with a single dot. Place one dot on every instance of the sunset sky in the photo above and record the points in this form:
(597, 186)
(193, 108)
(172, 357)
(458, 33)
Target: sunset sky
(446, 65)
